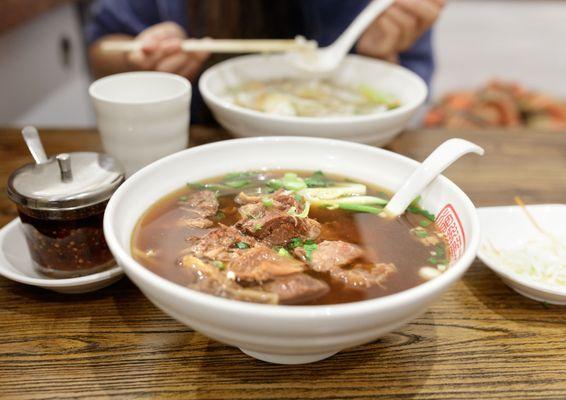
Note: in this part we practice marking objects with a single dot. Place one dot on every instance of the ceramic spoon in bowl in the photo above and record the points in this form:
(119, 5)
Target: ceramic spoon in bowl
(440, 159)
(328, 58)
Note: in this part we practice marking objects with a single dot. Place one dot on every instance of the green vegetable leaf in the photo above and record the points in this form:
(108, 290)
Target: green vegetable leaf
(219, 264)
(309, 248)
(183, 198)
(292, 181)
(295, 242)
(275, 184)
(242, 245)
(425, 223)
(257, 227)
(318, 179)
(266, 201)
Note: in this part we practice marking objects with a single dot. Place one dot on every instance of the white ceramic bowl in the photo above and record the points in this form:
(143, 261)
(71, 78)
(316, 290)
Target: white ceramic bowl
(507, 228)
(377, 129)
(287, 334)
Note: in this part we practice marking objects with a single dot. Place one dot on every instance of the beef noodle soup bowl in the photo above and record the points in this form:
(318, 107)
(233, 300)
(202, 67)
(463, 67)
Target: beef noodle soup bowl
(364, 100)
(277, 246)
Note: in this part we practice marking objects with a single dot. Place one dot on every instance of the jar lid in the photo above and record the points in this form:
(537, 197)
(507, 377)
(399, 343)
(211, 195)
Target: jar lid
(67, 181)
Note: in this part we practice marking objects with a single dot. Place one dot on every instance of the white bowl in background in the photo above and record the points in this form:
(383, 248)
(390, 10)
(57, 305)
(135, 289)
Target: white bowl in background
(507, 228)
(278, 333)
(378, 129)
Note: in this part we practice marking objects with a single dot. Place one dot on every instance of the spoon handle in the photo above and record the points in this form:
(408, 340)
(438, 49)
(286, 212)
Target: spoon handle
(440, 159)
(31, 137)
(360, 23)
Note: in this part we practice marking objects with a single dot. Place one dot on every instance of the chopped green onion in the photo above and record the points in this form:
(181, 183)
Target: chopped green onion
(360, 208)
(219, 216)
(295, 242)
(334, 192)
(183, 198)
(365, 200)
(237, 184)
(242, 245)
(309, 248)
(275, 184)
(421, 234)
(421, 211)
(424, 223)
(292, 181)
(379, 98)
(283, 252)
(219, 264)
(266, 201)
(257, 227)
(293, 211)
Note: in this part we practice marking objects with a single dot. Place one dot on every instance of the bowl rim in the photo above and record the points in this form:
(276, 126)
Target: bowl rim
(346, 310)
(209, 95)
(510, 275)
(183, 91)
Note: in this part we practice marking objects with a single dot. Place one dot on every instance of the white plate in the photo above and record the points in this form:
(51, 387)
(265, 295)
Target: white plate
(16, 264)
(508, 227)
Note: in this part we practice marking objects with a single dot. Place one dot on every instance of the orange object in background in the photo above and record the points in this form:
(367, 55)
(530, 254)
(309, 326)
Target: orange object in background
(498, 104)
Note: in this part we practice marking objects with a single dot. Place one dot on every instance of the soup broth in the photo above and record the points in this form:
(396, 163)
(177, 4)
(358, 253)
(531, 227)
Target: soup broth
(310, 98)
(288, 237)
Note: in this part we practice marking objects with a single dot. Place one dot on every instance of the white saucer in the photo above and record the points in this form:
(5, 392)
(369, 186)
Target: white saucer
(16, 264)
(508, 227)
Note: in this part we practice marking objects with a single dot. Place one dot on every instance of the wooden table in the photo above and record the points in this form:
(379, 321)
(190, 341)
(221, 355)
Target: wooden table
(481, 341)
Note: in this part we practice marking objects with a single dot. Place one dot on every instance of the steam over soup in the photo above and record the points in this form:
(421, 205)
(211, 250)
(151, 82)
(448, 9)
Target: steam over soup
(283, 237)
(310, 98)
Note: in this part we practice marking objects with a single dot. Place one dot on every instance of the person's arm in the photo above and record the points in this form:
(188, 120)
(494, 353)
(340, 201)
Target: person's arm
(139, 20)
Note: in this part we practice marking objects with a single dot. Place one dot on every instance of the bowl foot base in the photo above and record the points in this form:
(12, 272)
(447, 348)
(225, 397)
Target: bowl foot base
(288, 358)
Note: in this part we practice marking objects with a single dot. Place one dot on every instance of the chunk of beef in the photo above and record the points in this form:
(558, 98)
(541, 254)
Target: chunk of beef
(200, 206)
(284, 201)
(243, 198)
(209, 279)
(260, 264)
(361, 276)
(218, 244)
(330, 254)
(274, 226)
(198, 222)
(297, 288)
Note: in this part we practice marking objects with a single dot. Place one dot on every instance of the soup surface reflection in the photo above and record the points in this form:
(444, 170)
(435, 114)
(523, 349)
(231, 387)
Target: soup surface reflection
(288, 237)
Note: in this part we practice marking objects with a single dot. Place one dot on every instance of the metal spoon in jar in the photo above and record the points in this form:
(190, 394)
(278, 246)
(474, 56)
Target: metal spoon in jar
(440, 159)
(31, 137)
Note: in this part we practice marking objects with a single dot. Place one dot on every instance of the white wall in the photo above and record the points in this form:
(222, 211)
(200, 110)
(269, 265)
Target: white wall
(512, 39)
(35, 87)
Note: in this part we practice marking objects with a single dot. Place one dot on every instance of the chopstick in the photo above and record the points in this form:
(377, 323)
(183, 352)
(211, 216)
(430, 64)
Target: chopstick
(224, 45)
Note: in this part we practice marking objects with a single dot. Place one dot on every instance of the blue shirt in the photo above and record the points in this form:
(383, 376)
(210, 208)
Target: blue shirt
(322, 20)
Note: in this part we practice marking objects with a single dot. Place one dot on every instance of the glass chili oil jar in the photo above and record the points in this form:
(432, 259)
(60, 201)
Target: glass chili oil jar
(61, 205)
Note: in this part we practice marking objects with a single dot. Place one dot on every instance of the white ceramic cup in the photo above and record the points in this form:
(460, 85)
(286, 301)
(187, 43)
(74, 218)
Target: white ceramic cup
(142, 116)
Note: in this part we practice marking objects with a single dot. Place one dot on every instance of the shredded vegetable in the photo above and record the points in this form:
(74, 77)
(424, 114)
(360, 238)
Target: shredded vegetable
(542, 260)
